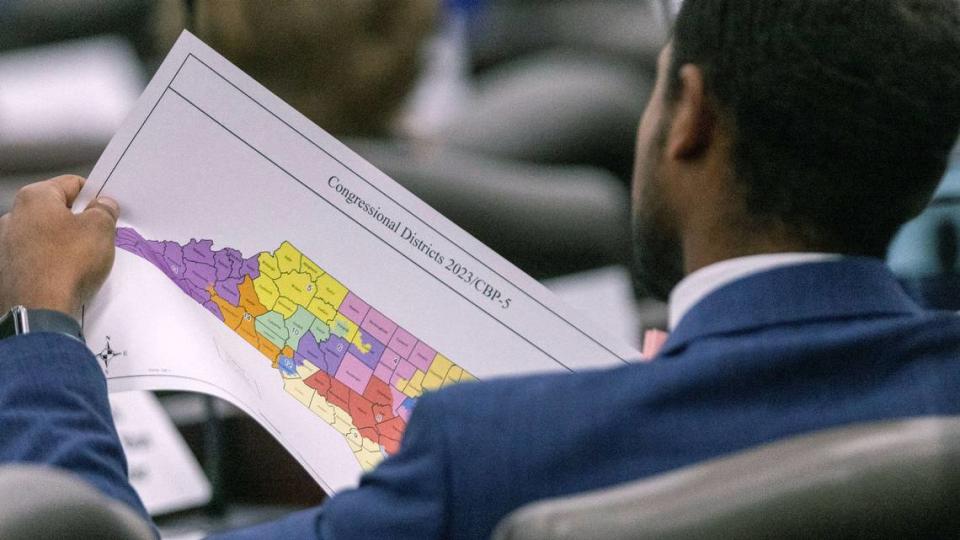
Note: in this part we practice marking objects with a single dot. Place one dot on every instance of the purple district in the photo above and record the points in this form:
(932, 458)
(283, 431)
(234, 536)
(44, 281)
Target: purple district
(422, 356)
(227, 261)
(229, 290)
(390, 358)
(398, 398)
(354, 373)
(326, 356)
(200, 251)
(173, 254)
(372, 358)
(213, 308)
(405, 370)
(130, 240)
(194, 267)
(354, 308)
(199, 275)
(403, 342)
(167, 256)
(250, 267)
(383, 372)
(379, 326)
(404, 413)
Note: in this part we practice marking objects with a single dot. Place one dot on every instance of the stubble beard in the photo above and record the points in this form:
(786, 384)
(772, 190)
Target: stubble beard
(657, 252)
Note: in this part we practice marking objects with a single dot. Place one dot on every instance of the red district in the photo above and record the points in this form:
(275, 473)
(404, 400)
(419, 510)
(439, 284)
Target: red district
(371, 412)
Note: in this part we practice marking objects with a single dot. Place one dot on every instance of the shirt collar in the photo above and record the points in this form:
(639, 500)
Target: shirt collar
(696, 286)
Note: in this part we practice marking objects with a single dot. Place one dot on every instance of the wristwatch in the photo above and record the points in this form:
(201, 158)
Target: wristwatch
(20, 320)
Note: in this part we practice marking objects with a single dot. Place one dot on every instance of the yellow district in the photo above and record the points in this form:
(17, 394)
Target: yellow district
(369, 454)
(266, 289)
(344, 328)
(306, 369)
(414, 385)
(299, 390)
(322, 408)
(440, 366)
(355, 440)
(366, 451)
(437, 372)
(288, 258)
(330, 290)
(297, 287)
(371, 446)
(453, 376)
(431, 381)
(342, 420)
(311, 268)
(287, 280)
(268, 265)
(361, 345)
(322, 310)
(285, 307)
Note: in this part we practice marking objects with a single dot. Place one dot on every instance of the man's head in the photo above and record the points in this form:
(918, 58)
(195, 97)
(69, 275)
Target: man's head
(795, 125)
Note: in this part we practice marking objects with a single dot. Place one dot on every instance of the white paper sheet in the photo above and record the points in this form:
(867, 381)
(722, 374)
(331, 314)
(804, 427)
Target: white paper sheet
(162, 469)
(610, 287)
(396, 297)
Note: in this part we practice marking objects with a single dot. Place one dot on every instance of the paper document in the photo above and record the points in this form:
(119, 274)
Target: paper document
(263, 262)
(161, 467)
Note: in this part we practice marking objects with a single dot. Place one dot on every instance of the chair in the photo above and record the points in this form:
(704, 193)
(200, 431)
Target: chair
(924, 254)
(43, 503)
(547, 219)
(896, 479)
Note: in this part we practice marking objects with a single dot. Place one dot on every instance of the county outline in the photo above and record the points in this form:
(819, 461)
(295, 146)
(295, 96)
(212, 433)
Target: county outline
(337, 355)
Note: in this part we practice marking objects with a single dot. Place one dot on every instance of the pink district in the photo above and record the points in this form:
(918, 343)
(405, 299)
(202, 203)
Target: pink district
(376, 376)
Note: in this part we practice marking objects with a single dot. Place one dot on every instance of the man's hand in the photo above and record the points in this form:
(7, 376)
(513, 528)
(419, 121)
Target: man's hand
(51, 258)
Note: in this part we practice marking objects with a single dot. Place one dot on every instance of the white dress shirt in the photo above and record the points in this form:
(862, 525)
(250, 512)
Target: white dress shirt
(704, 281)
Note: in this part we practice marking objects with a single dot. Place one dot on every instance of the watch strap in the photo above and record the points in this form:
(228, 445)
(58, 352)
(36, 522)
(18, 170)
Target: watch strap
(28, 321)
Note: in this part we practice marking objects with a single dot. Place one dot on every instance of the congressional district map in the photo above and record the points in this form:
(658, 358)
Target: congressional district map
(263, 262)
(335, 354)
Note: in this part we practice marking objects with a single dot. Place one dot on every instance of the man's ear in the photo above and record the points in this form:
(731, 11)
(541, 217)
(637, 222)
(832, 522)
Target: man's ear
(693, 120)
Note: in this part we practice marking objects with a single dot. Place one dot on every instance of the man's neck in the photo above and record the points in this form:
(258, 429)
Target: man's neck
(708, 248)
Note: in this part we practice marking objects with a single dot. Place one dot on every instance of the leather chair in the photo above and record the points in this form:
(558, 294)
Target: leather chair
(896, 479)
(925, 254)
(549, 220)
(43, 503)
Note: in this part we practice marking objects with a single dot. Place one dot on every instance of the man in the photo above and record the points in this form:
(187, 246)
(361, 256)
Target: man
(784, 145)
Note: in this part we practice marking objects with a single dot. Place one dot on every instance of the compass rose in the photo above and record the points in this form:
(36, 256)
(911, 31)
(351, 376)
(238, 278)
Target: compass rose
(108, 354)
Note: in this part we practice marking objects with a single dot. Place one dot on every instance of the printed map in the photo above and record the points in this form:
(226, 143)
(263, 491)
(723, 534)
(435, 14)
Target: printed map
(347, 362)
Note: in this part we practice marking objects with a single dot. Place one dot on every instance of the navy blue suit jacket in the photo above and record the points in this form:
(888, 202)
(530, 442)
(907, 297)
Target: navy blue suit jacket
(782, 352)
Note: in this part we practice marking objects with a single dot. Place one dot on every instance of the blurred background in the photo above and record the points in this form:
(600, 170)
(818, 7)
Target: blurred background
(514, 118)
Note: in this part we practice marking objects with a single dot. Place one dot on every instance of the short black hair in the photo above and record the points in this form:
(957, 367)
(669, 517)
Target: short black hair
(842, 112)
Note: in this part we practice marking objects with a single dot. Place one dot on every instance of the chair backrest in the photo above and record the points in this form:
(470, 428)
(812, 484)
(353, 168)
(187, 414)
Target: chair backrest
(884, 480)
(924, 254)
(43, 503)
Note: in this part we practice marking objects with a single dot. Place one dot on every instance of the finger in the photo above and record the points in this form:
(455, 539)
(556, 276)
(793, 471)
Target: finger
(67, 187)
(103, 210)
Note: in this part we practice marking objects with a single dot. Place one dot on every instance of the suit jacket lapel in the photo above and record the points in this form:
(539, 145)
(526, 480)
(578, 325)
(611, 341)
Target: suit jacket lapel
(847, 288)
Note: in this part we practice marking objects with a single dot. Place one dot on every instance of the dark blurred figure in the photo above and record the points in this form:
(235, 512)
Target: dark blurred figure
(347, 66)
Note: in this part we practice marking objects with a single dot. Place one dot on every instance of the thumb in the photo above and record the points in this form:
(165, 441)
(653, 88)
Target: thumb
(67, 187)
(102, 209)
